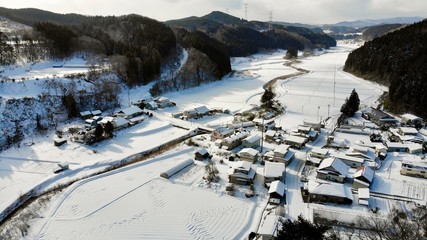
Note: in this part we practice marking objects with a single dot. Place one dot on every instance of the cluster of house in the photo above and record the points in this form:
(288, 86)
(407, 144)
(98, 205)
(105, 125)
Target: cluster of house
(121, 119)
(198, 112)
(355, 167)
(154, 104)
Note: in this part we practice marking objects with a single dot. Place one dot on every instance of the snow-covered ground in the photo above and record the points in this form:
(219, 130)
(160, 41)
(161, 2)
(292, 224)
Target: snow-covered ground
(134, 202)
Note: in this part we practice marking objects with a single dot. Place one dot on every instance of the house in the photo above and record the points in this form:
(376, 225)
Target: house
(296, 141)
(201, 154)
(248, 154)
(276, 192)
(333, 169)
(92, 122)
(130, 112)
(329, 193)
(304, 129)
(253, 141)
(118, 122)
(316, 126)
(409, 119)
(283, 154)
(321, 153)
(234, 140)
(151, 105)
(242, 173)
(269, 227)
(137, 120)
(163, 102)
(241, 125)
(363, 194)
(363, 177)
(269, 136)
(351, 161)
(221, 133)
(396, 147)
(360, 149)
(268, 156)
(414, 148)
(273, 171)
(405, 131)
(414, 168)
(379, 117)
(197, 112)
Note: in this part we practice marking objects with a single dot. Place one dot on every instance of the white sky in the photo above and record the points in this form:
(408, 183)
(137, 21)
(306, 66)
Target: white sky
(304, 11)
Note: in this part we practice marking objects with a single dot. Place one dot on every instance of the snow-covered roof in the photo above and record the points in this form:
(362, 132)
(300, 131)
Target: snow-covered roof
(320, 151)
(409, 130)
(107, 119)
(202, 109)
(269, 226)
(153, 104)
(176, 168)
(96, 112)
(224, 131)
(415, 163)
(277, 187)
(336, 164)
(358, 148)
(270, 133)
(131, 110)
(349, 158)
(363, 193)
(330, 189)
(235, 137)
(411, 117)
(253, 139)
(202, 151)
(396, 145)
(85, 113)
(414, 147)
(304, 128)
(282, 149)
(272, 169)
(423, 131)
(296, 139)
(162, 99)
(243, 165)
(120, 121)
(249, 151)
(366, 172)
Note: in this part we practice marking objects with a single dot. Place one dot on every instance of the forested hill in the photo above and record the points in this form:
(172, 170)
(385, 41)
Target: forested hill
(242, 37)
(398, 60)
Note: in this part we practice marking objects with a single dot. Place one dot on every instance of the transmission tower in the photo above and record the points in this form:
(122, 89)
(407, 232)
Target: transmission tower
(270, 18)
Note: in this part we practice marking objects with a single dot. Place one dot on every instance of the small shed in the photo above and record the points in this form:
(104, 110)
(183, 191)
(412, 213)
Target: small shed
(268, 228)
(201, 154)
(319, 152)
(410, 119)
(269, 135)
(363, 177)
(273, 171)
(364, 196)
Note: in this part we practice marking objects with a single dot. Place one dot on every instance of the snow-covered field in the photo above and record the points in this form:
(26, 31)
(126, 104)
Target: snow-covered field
(134, 202)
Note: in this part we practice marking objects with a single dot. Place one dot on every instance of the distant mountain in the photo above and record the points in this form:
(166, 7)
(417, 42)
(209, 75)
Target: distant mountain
(242, 37)
(30, 16)
(377, 31)
(398, 60)
(371, 22)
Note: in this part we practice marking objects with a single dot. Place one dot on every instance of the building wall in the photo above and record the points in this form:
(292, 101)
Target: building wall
(330, 177)
(413, 172)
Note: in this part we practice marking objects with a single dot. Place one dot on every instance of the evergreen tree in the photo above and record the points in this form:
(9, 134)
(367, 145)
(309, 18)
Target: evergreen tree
(351, 104)
(108, 129)
(99, 130)
(301, 229)
(267, 98)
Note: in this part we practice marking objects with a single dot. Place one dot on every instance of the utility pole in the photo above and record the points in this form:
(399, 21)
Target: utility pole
(262, 135)
(334, 82)
(328, 109)
(270, 18)
(318, 109)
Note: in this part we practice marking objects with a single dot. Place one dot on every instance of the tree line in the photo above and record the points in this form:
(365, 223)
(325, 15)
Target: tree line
(397, 60)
